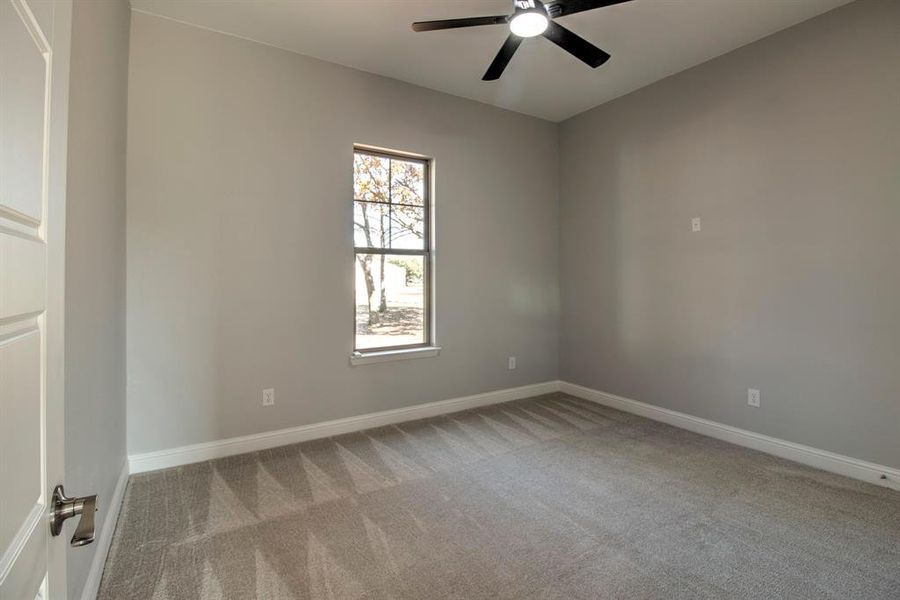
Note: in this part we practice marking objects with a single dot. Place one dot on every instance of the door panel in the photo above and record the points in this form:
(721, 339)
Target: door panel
(30, 451)
(24, 78)
(22, 276)
(30, 566)
(20, 428)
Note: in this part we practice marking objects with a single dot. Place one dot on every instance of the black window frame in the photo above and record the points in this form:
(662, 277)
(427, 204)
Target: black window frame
(426, 252)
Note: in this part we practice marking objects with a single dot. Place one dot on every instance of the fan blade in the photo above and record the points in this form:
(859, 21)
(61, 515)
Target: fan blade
(561, 8)
(577, 46)
(503, 57)
(454, 23)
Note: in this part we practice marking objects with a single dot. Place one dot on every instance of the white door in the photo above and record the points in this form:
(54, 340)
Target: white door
(34, 47)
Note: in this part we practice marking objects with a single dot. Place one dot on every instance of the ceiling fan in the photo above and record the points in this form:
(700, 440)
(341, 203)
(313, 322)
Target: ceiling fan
(529, 19)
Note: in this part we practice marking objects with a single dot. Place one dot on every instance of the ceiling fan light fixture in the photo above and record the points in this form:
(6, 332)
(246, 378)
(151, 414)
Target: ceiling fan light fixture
(529, 23)
(529, 19)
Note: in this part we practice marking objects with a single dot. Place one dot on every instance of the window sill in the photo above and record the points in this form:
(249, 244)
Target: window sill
(368, 358)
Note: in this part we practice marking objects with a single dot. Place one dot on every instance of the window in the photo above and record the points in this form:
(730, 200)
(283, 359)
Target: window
(392, 246)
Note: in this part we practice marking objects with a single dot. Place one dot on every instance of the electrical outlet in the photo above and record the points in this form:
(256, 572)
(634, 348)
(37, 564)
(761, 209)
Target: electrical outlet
(695, 224)
(512, 363)
(268, 398)
(753, 397)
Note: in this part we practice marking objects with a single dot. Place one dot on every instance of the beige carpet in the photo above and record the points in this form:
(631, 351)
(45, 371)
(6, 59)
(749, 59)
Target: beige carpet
(551, 497)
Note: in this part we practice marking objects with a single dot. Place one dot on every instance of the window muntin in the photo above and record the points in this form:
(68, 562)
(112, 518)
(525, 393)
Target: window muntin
(392, 252)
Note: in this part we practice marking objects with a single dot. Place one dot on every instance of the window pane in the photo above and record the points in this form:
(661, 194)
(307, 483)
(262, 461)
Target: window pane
(407, 227)
(371, 175)
(390, 300)
(407, 182)
(371, 225)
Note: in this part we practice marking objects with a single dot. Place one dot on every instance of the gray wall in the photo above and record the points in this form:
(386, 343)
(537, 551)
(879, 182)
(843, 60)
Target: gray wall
(240, 249)
(789, 151)
(95, 260)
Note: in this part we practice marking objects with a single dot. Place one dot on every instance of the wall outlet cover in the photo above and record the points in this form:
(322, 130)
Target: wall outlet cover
(268, 397)
(753, 397)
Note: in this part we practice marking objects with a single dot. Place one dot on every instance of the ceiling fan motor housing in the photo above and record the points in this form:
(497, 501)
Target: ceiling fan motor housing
(531, 6)
(552, 9)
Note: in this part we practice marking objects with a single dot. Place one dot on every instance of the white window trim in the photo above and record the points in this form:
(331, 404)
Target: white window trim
(363, 356)
(368, 358)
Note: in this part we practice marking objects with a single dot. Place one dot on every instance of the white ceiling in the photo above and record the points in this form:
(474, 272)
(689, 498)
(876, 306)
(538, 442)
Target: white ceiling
(648, 40)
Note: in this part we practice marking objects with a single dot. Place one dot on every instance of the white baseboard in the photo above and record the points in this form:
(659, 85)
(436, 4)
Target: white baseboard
(807, 455)
(92, 585)
(184, 455)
